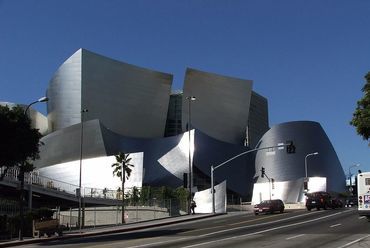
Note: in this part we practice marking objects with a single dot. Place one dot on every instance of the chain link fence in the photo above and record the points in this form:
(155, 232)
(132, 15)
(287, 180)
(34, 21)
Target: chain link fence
(112, 215)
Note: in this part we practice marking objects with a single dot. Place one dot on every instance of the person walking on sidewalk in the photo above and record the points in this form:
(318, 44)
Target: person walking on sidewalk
(193, 205)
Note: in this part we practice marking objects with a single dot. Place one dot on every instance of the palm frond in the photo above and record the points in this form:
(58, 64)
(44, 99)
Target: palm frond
(122, 162)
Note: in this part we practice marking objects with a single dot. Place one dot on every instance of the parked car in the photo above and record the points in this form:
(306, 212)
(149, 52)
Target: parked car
(269, 206)
(336, 203)
(352, 201)
(318, 200)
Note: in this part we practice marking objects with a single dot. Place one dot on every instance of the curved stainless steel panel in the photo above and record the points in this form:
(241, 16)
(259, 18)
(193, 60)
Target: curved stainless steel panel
(129, 100)
(258, 123)
(221, 107)
(203, 199)
(308, 137)
(165, 159)
(96, 172)
(64, 93)
(64, 145)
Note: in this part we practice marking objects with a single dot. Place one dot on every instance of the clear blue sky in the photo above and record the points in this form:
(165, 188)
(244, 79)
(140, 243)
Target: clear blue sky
(308, 57)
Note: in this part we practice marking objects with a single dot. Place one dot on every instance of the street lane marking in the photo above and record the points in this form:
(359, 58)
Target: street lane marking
(254, 233)
(270, 216)
(362, 217)
(297, 236)
(197, 230)
(271, 222)
(237, 223)
(249, 234)
(336, 225)
(157, 243)
(354, 241)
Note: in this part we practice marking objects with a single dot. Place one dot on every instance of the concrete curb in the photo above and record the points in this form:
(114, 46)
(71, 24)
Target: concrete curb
(123, 228)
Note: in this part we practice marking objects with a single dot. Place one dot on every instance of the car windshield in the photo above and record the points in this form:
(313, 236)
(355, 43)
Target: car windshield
(265, 202)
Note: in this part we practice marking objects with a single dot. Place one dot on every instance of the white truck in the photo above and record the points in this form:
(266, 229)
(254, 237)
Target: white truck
(363, 193)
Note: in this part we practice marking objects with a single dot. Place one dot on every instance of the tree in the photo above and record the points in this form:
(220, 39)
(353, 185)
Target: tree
(361, 116)
(122, 170)
(19, 143)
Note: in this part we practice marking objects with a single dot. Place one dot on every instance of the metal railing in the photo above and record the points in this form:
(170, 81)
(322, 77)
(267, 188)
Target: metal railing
(33, 178)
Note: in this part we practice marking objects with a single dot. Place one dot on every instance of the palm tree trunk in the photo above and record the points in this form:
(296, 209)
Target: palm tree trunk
(123, 198)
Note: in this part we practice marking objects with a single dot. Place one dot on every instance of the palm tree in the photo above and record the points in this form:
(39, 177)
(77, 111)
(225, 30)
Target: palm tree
(122, 169)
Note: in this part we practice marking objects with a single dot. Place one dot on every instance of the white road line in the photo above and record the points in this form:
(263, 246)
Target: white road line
(231, 229)
(354, 241)
(271, 222)
(361, 217)
(294, 237)
(157, 243)
(255, 233)
(335, 225)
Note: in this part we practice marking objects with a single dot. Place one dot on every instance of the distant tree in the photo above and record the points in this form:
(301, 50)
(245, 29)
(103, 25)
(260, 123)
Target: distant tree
(361, 116)
(19, 142)
(122, 170)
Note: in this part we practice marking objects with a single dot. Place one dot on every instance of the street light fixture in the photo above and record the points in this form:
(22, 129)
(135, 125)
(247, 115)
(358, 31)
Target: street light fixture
(350, 176)
(21, 176)
(190, 180)
(42, 99)
(79, 184)
(305, 165)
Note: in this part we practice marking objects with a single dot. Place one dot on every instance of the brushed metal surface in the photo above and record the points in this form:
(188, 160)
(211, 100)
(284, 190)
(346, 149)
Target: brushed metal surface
(165, 160)
(308, 137)
(64, 93)
(128, 99)
(221, 108)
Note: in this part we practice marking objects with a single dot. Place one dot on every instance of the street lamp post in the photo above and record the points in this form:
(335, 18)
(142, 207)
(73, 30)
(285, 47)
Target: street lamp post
(21, 176)
(350, 177)
(190, 179)
(305, 165)
(79, 183)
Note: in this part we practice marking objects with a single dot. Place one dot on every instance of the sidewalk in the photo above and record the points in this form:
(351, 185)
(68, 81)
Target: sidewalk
(111, 229)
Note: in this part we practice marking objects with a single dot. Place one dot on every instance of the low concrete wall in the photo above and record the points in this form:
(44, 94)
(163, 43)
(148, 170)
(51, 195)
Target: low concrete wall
(98, 216)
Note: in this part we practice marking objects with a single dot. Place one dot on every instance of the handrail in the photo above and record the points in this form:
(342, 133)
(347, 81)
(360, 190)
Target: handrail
(33, 178)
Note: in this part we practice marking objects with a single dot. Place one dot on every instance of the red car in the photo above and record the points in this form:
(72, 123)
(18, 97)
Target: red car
(269, 206)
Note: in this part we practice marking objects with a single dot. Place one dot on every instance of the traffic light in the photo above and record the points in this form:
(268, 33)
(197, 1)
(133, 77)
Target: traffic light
(290, 148)
(262, 172)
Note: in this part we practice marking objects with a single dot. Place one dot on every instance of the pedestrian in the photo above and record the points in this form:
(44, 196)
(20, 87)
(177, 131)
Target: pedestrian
(193, 205)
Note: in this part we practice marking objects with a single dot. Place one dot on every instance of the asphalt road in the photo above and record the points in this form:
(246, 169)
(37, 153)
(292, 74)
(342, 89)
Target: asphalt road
(299, 228)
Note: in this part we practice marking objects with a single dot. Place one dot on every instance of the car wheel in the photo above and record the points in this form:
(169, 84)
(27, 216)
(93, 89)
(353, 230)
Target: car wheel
(255, 213)
(281, 210)
(318, 208)
(308, 208)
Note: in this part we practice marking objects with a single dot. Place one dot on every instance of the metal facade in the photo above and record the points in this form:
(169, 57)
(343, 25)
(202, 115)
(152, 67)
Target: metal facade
(258, 123)
(308, 137)
(64, 93)
(129, 100)
(222, 105)
(165, 160)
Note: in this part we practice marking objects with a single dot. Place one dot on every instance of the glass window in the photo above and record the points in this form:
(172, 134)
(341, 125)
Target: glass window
(367, 181)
